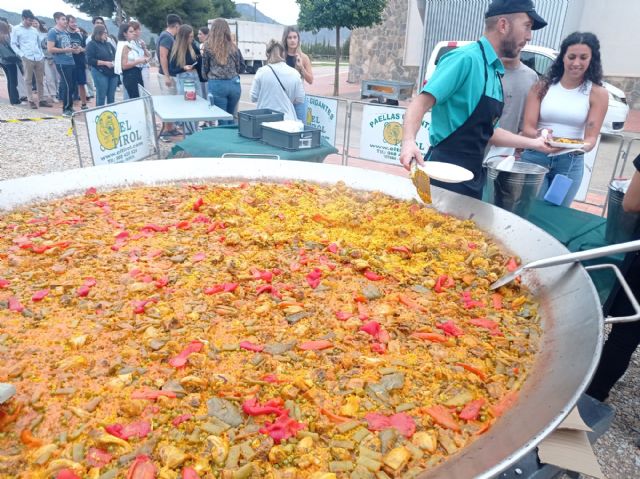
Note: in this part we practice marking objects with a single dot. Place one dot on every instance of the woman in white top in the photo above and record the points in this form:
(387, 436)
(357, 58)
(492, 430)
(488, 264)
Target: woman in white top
(276, 85)
(127, 61)
(569, 102)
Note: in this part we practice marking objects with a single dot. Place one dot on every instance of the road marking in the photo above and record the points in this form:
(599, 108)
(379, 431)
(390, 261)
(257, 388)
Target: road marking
(24, 120)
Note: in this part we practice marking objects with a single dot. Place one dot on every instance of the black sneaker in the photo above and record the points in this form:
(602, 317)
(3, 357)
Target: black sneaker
(84, 107)
(67, 113)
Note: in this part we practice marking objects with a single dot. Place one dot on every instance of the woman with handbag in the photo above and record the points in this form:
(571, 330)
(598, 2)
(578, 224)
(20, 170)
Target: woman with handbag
(9, 61)
(100, 57)
(276, 85)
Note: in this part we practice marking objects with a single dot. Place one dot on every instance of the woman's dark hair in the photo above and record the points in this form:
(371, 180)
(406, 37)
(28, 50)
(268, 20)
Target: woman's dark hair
(98, 30)
(593, 73)
(122, 33)
(204, 30)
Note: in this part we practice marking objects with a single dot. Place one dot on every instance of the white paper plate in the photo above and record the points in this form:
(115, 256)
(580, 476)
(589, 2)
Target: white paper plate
(446, 172)
(572, 146)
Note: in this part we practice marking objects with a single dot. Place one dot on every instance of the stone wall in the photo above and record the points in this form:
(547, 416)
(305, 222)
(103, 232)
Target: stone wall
(630, 86)
(377, 53)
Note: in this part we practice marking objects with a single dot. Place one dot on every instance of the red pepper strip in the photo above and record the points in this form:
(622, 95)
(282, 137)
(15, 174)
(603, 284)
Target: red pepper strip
(468, 302)
(142, 468)
(189, 473)
(154, 228)
(512, 265)
(363, 312)
(282, 428)
(216, 225)
(404, 250)
(318, 218)
(334, 417)
(37, 234)
(359, 298)
(201, 219)
(151, 394)
(3, 283)
(39, 295)
(313, 278)
(471, 245)
(181, 418)
(268, 288)
(198, 204)
(98, 457)
(443, 282)
(83, 290)
(484, 323)
(139, 306)
(433, 337)
(183, 225)
(197, 187)
(15, 305)
(180, 360)
(249, 346)
(378, 348)
(496, 298)
(374, 329)
(471, 410)
(333, 248)
(442, 416)
(67, 473)
(139, 429)
(198, 257)
(315, 345)
(371, 276)
(90, 191)
(161, 282)
(504, 403)
(272, 378)
(450, 328)
(272, 406)
(324, 261)
(472, 369)
(410, 303)
(343, 316)
(402, 422)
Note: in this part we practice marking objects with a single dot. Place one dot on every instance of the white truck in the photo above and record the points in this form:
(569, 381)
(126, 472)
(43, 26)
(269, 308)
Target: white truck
(252, 39)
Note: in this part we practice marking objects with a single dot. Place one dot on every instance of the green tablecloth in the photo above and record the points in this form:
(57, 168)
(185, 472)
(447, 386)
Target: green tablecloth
(215, 142)
(578, 231)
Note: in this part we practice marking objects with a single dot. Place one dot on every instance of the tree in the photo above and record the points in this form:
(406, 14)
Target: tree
(105, 8)
(317, 14)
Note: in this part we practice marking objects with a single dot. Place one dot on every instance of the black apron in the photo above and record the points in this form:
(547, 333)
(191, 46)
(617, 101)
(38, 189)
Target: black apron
(466, 145)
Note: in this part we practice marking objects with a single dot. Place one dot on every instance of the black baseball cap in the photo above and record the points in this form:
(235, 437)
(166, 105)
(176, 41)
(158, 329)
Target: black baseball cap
(503, 7)
(28, 14)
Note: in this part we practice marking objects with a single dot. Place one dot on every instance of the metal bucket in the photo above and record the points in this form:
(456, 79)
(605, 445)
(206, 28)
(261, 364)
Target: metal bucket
(514, 187)
(621, 226)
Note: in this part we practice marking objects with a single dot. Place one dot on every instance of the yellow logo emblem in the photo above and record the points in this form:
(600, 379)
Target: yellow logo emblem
(108, 130)
(392, 133)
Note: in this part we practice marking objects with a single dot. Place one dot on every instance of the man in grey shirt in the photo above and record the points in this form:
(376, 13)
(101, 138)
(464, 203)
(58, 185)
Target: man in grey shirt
(517, 81)
(25, 41)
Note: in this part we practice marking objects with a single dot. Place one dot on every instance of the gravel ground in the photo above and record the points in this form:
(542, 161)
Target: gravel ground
(41, 147)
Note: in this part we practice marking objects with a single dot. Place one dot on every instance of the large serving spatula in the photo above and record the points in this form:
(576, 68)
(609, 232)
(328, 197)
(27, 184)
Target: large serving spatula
(569, 258)
(420, 181)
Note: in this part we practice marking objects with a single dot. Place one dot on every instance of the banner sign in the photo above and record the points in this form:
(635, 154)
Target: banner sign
(321, 112)
(122, 132)
(381, 134)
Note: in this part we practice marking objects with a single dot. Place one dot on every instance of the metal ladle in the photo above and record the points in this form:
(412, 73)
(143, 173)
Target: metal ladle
(421, 181)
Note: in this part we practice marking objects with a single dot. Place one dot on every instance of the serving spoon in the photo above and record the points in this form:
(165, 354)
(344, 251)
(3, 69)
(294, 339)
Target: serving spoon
(568, 258)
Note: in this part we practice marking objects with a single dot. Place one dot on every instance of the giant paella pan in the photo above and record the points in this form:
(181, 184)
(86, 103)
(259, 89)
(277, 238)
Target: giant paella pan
(368, 373)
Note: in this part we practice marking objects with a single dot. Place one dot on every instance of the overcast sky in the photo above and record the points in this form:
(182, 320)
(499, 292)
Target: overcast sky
(283, 11)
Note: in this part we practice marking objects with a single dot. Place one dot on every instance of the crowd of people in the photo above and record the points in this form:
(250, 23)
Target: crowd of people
(66, 64)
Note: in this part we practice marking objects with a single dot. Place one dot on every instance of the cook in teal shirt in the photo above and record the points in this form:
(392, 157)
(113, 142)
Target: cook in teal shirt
(457, 85)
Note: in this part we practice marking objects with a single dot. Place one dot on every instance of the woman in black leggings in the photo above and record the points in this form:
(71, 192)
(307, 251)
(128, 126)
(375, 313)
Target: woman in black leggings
(130, 61)
(624, 337)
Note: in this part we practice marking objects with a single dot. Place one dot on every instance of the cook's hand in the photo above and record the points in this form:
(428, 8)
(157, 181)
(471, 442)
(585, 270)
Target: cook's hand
(409, 151)
(540, 144)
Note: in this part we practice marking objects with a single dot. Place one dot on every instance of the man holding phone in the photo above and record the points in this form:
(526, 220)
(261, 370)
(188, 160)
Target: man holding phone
(59, 45)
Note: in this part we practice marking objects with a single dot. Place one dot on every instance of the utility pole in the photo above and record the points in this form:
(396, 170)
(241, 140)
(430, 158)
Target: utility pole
(255, 11)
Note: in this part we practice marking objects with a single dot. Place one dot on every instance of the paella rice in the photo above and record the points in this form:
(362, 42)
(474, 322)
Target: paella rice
(253, 330)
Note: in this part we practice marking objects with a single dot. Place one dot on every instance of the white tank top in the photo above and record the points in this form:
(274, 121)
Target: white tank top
(565, 111)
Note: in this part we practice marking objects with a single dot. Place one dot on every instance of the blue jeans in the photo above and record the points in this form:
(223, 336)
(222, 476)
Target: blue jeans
(105, 87)
(300, 111)
(568, 164)
(226, 95)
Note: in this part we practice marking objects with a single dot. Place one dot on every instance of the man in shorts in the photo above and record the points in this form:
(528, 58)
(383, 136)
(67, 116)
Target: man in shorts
(166, 83)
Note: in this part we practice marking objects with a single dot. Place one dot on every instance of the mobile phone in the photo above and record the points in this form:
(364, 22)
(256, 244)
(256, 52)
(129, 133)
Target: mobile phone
(194, 64)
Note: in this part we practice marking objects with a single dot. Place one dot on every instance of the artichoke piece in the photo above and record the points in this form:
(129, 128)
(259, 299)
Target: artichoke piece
(305, 445)
(341, 466)
(426, 441)
(171, 456)
(392, 381)
(371, 291)
(224, 410)
(43, 454)
(397, 459)
(219, 449)
(108, 439)
(279, 348)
